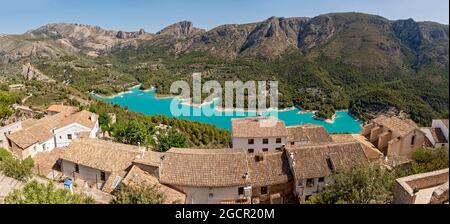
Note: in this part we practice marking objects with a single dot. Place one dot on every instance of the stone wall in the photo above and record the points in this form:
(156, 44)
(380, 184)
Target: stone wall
(406, 187)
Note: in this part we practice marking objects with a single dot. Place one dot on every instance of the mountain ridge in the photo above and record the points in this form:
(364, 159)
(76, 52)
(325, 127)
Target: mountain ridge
(269, 38)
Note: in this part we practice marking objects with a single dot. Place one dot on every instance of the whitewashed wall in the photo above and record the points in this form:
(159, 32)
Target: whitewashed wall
(258, 146)
(202, 195)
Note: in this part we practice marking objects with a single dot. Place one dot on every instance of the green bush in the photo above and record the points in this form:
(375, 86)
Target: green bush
(371, 184)
(37, 193)
(170, 139)
(11, 167)
(139, 195)
(425, 160)
(4, 155)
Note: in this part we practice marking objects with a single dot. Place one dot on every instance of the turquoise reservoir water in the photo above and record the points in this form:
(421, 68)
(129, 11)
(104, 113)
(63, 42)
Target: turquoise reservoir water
(147, 103)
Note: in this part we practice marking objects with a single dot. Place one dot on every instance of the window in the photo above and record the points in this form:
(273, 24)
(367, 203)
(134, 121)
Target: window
(251, 141)
(278, 140)
(279, 149)
(77, 168)
(265, 150)
(413, 139)
(264, 190)
(330, 164)
(322, 179)
(241, 191)
(103, 176)
(69, 136)
(211, 195)
(310, 182)
(251, 150)
(265, 141)
(292, 143)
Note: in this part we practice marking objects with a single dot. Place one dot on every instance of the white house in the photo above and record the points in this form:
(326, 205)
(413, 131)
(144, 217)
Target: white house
(51, 132)
(258, 134)
(100, 164)
(437, 135)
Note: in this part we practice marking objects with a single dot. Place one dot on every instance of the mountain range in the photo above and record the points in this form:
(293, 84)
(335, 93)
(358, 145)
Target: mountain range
(343, 47)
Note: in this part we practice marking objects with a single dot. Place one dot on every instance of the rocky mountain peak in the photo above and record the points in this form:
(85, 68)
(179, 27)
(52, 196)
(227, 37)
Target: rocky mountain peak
(180, 29)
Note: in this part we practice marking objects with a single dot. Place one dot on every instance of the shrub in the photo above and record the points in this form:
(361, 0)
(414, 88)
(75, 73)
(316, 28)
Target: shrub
(361, 185)
(37, 193)
(425, 160)
(139, 195)
(11, 167)
(170, 139)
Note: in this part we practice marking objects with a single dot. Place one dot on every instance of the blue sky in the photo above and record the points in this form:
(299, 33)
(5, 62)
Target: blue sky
(18, 16)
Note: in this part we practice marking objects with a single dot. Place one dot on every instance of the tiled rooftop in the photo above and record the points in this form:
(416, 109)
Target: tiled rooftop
(204, 168)
(36, 131)
(395, 124)
(311, 161)
(258, 127)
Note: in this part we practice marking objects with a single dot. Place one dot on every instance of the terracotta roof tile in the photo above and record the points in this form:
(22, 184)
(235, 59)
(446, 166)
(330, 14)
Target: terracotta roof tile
(310, 134)
(395, 124)
(60, 108)
(258, 127)
(102, 155)
(372, 153)
(37, 131)
(311, 161)
(204, 168)
(272, 169)
(150, 158)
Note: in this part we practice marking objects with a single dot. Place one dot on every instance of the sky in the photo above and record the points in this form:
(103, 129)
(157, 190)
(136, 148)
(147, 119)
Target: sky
(19, 16)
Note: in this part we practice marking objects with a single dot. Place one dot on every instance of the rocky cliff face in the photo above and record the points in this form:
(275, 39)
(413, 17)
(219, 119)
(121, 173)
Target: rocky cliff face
(428, 40)
(180, 30)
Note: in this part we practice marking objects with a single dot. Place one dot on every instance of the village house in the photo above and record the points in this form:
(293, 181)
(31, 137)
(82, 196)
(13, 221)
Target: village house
(207, 176)
(312, 165)
(258, 134)
(51, 132)
(396, 138)
(97, 163)
(437, 134)
(11, 128)
(270, 178)
(424, 188)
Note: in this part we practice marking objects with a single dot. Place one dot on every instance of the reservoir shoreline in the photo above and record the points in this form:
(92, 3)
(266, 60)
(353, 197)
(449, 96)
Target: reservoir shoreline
(150, 103)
